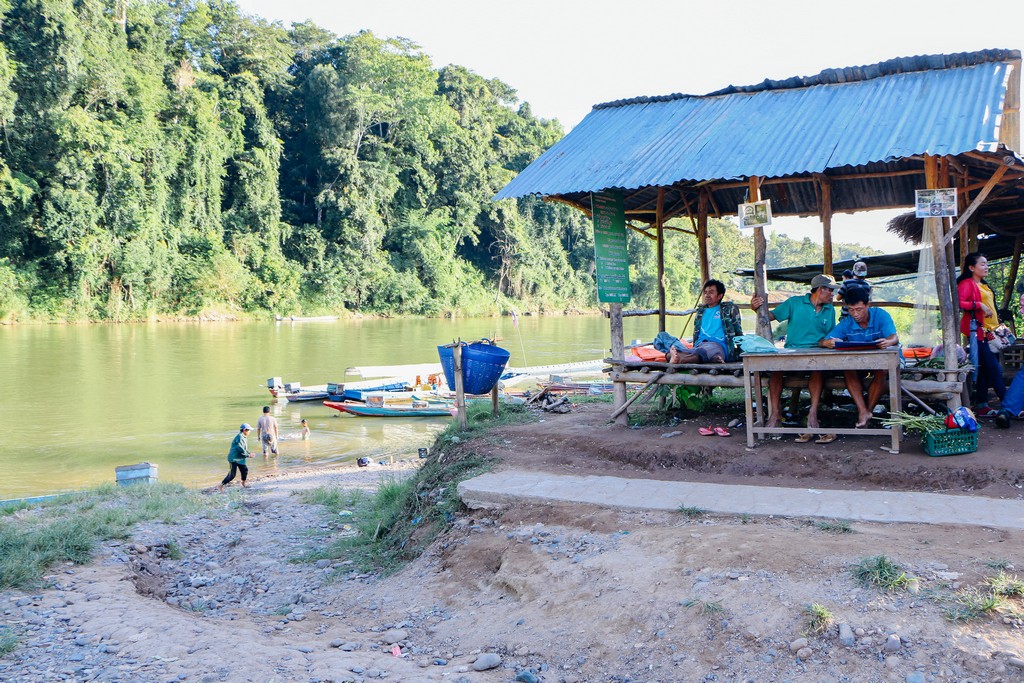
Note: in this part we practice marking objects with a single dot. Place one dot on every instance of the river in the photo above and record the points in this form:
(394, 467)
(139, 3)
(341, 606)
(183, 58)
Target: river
(79, 400)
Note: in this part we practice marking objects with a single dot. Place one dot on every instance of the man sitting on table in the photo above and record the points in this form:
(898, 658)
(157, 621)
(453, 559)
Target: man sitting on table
(810, 317)
(716, 325)
(871, 326)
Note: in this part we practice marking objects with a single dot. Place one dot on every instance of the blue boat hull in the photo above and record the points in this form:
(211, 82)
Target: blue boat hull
(360, 410)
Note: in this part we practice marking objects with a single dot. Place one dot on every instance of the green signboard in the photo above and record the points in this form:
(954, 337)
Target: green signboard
(610, 247)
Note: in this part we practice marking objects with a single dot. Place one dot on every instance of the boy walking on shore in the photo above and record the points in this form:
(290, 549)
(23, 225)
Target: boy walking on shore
(237, 455)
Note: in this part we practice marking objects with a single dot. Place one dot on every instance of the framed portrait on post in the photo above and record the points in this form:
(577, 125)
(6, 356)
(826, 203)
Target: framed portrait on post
(935, 203)
(756, 214)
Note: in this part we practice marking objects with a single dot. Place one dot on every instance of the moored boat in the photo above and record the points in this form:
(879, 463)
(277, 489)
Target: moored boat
(412, 410)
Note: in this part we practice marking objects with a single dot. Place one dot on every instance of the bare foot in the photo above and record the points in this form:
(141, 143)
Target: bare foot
(772, 423)
(220, 489)
(863, 419)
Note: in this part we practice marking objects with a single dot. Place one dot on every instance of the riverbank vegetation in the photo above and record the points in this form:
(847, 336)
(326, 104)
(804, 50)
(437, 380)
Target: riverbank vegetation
(35, 537)
(163, 158)
(395, 524)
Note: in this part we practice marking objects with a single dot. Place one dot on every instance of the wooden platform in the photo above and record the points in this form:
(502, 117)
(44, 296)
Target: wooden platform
(929, 384)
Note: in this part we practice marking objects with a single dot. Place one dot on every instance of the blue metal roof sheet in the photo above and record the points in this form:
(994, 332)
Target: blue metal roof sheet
(775, 131)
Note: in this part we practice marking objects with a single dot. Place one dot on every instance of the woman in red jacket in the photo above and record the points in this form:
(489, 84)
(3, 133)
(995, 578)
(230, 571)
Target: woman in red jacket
(978, 305)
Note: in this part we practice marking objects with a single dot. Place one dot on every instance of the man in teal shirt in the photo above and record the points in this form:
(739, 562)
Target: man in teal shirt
(237, 454)
(810, 317)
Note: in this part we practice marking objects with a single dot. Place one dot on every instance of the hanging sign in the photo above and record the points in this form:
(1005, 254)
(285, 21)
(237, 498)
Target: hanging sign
(610, 247)
(935, 203)
(755, 214)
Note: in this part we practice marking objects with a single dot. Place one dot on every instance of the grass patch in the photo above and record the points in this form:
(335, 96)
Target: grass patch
(607, 397)
(1006, 585)
(819, 618)
(394, 525)
(997, 563)
(690, 511)
(880, 572)
(70, 528)
(834, 526)
(706, 607)
(8, 641)
(971, 603)
(335, 500)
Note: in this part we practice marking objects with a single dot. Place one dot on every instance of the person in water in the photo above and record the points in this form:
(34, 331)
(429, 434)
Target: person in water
(305, 430)
(236, 456)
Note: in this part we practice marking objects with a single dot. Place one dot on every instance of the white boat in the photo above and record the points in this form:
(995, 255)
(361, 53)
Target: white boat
(584, 367)
(424, 370)
(305, 319)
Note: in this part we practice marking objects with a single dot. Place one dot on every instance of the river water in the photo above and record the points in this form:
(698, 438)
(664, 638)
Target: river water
(79, 400)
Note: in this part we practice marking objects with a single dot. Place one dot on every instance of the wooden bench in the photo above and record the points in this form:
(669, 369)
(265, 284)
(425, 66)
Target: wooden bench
(926, 384)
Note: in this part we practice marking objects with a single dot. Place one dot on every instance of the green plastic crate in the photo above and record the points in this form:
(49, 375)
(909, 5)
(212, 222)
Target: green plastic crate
(949, 442)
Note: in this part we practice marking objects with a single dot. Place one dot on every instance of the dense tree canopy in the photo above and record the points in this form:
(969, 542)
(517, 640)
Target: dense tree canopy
(179, 157)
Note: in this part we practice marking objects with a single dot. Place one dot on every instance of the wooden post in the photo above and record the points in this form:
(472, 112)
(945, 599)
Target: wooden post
(950, 328)
(702, 237)
(460, 392)
(826, 223)
(1011, 277)
(618, 353)
(764, 325)
(660, 229)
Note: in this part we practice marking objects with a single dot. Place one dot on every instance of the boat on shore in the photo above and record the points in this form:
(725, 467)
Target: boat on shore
(334, 391)
(583, 367)
(305, 319)
(412, 410)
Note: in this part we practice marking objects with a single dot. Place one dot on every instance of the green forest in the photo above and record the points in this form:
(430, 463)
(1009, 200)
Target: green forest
(166, 158)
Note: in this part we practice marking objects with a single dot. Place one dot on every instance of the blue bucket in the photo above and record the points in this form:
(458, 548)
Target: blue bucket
(482, 365)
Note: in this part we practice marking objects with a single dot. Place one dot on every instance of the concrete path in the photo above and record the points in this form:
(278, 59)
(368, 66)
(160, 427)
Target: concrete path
(502, 488)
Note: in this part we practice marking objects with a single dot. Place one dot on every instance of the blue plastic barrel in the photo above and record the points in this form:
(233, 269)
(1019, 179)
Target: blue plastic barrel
(482, 365)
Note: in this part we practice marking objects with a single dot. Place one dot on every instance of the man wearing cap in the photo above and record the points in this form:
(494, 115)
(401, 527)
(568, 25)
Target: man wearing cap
(237, 455)
(855, 281)
(811, 317)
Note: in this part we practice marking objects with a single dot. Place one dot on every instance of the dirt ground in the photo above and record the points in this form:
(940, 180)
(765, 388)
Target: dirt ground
(556, 593)
(586, 443)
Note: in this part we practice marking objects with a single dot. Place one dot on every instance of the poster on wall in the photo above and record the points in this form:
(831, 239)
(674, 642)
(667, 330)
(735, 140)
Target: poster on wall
(610, 247)
(939, 203)
(755, 214)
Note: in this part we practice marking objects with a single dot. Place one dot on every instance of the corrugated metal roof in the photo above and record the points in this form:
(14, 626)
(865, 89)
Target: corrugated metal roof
(774, 130)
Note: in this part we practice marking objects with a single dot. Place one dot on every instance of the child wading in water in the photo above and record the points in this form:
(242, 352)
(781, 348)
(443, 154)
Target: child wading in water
(237, 455)
(305, 431)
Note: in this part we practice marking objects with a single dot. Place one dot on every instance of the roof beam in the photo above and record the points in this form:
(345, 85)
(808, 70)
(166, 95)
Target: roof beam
(989, 186)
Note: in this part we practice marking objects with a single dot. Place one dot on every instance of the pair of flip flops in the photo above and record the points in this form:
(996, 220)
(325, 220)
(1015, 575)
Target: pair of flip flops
(824, 438)
(713, 431)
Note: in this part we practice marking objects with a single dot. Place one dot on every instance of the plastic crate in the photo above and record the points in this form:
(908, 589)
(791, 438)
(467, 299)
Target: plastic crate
(949, 442)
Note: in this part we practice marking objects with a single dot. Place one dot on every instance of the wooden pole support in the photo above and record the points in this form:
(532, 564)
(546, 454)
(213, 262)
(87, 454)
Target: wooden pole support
(460, 392)
(618, 354)
(764, 325)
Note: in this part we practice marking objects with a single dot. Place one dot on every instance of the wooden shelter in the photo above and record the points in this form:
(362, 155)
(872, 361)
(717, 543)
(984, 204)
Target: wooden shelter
(846, 140)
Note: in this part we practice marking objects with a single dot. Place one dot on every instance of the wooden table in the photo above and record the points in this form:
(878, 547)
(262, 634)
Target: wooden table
(813, 360)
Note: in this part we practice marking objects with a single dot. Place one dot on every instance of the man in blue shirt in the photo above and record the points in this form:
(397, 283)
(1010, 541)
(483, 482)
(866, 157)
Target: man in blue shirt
(870, 326)
(717, 324)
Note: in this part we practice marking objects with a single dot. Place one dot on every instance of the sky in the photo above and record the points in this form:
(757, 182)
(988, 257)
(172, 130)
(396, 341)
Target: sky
(564, 56)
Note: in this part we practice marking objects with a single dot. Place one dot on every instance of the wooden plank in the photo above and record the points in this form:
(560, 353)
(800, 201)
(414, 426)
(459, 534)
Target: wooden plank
(922, 387)
(618, 353)
(978, 200)
(1011, 278)
(764, 325)
(950, 329)
(659, 227)
(460, 392)
(826, 222)
(650, 383)
(702, 237)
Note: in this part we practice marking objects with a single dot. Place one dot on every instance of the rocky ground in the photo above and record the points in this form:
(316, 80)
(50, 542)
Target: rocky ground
(566, 593)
